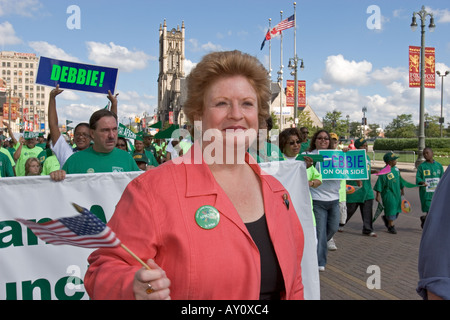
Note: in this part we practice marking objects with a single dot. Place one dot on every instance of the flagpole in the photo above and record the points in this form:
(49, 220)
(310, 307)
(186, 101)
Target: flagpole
(295, 58)
(270, 62)
(270, 52)
(280, 74)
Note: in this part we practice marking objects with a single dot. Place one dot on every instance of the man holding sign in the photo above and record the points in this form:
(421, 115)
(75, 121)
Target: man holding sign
(81, 133)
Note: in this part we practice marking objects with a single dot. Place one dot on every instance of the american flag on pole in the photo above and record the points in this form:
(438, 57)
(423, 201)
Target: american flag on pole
(283, 25)
(84, 230)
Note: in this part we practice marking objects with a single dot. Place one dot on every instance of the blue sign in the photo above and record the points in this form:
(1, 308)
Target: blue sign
(76, 76)
(339, 165)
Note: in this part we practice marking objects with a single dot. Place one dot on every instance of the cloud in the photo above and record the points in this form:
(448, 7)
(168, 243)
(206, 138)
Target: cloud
(344, 72)
(321, 86)
(188, 66)
(46, 49)
(25, 8)
(441, 15)
(195, 46)
(117, 56)
(387, 75)
(8, 35)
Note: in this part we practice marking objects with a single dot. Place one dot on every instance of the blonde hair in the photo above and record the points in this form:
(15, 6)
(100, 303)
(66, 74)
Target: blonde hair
(28, 165)
(217, 65)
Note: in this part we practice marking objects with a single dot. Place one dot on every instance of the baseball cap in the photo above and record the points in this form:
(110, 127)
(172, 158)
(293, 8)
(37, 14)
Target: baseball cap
(30, 135)
(140, 157)
(334, 136)
(389, 156)
(360, 142)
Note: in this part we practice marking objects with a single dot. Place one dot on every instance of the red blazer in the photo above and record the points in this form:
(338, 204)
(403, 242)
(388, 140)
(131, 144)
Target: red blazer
(155, 219)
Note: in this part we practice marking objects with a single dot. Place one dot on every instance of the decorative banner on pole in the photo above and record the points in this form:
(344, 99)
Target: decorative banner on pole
(301, 93)
(76, 76)
(430, 68)
(339, 165)
(414, 67)
(290, 93)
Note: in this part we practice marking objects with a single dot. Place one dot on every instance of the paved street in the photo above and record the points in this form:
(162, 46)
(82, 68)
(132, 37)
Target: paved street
(392, 256)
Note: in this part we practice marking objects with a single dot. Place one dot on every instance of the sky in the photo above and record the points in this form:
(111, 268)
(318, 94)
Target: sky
(355, 52)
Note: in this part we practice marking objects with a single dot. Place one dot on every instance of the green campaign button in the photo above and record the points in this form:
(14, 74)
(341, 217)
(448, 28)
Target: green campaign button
(207, 217)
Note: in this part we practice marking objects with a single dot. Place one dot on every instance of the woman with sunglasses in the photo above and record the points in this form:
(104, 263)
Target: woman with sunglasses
(122, 144)
(325, 201)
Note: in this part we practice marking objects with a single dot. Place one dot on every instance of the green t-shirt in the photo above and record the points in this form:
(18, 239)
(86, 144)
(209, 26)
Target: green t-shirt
(364, 193)
(44, 155)
(90, 161)
(24, 155)
(6, 169)
(430, 173)
(8, 154)
(390, 185)
(304, 146)
(50, 164)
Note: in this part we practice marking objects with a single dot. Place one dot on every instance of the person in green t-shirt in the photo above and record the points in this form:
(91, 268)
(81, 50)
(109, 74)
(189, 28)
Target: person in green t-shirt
(148, 144)
(26, 149)
(389, 189)
(363, 196)
(139, 147)
(428, 176)
(41, 141)
(6, 169)
(304, 132)
(102, 156)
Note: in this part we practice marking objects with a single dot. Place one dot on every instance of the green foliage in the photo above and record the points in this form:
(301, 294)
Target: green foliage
(401, 127)
(410, 144)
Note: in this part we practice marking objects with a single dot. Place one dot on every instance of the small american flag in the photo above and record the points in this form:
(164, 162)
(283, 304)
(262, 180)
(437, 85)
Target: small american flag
(84, 230)
(285, 24)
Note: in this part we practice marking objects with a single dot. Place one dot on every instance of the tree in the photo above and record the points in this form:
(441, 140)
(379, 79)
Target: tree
(373, 130)
(432, 128)
(401, 127)
(332, 122)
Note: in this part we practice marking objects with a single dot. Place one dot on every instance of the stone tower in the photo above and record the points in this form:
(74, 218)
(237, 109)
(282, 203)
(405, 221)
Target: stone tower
(171, 73)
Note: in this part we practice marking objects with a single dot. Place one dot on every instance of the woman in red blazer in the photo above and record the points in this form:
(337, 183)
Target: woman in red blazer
(210, 224)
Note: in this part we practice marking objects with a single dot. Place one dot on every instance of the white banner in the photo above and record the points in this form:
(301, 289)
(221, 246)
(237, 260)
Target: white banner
(292, 174)
(31, 269)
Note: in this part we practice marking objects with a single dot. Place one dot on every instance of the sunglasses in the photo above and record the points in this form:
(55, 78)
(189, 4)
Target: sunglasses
(121, 145)
(305, 132)
(295, 142)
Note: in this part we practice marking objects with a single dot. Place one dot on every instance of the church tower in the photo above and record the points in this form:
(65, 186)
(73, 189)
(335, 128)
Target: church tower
(171, 73)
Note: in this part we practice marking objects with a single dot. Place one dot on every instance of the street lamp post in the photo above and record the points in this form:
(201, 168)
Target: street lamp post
(441, 119)
(293, 64)
(363, 122)
(422, 15)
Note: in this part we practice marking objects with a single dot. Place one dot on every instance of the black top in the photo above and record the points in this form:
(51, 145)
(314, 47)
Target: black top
(272, 283)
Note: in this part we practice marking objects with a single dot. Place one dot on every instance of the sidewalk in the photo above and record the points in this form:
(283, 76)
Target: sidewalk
(375, 268)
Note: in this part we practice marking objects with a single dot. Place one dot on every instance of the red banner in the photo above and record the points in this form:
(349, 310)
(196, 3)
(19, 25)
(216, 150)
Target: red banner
(414, 67)
(290, 94)
(14, 108)
(430, 71)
